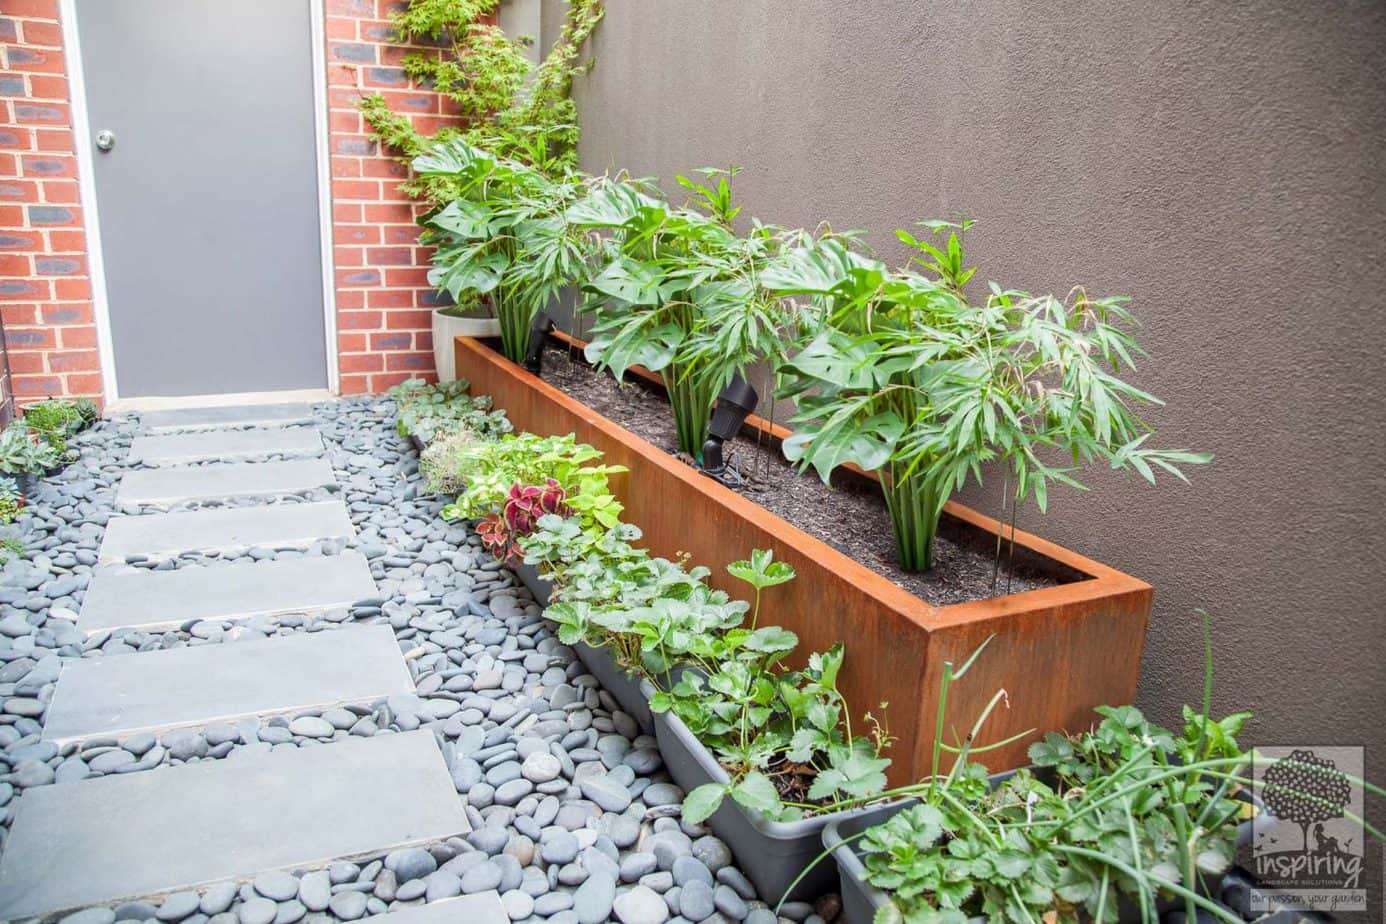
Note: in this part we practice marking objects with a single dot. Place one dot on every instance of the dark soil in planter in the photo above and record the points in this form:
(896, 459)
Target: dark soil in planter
(850, 515)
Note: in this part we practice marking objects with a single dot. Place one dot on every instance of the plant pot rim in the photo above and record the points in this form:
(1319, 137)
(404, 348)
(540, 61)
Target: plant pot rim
(1100, 580)
(449, 311)
(781, 830)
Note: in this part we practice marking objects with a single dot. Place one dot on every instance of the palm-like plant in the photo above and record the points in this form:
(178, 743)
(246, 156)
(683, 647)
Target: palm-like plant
(677, 292)
(905, 375)
(504, 235)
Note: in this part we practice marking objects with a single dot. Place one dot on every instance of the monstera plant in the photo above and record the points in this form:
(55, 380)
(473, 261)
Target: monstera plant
(676, 291)
(504, 237)
(905, 374)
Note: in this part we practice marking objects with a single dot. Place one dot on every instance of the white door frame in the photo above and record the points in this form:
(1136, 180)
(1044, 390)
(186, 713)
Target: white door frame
(86, 184)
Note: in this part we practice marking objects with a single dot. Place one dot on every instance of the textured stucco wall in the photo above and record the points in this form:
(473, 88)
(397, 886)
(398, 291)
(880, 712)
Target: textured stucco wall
(1218, 162)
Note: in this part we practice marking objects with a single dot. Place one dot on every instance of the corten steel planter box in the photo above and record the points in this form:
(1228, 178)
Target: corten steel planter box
(1058, 651)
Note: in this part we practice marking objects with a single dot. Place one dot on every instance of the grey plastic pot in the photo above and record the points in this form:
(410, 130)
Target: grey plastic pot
(625, 687)
(613, 678)
(860, 899)
(772, 854)
(539, 586)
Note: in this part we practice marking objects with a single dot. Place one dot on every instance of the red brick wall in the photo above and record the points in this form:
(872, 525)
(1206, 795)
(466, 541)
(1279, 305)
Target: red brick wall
(383, 298)
(45, 295)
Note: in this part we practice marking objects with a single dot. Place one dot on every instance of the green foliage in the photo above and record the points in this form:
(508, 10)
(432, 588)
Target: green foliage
(88, 411)
(504, 236)
(784, 736)
(484, 72)
(482, 79)
(1122, 814)
(491, 469)
(23, 450)
(904, 374)
(438, 463)
(10, 547)
(55, 420)
(677, 292)
(1111, 813)
(11, 500)
(431, 411)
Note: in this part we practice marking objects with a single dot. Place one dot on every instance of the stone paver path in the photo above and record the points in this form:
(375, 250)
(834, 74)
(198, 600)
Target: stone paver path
(167, 486)
(493, 780)
(280, 526)
(142, 833)
(219, 445)
(158, 600)
(180, 687)
(211, 418)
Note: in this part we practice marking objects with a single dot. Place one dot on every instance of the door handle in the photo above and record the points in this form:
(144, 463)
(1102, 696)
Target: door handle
(105, 139)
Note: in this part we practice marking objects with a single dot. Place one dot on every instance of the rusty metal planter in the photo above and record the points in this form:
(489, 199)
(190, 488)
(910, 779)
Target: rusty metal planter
(1057, 651)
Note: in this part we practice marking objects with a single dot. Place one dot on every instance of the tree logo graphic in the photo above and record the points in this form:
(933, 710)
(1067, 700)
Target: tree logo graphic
(1308, 790)
(1308, 842)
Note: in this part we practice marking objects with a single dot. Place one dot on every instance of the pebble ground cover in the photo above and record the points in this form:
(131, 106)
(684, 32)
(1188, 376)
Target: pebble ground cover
(575, 821)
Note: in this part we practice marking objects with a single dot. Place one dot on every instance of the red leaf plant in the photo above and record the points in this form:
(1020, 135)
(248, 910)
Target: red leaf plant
(501, 532)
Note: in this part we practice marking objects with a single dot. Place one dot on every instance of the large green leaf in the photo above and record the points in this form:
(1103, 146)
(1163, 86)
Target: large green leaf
(699, 804)
(756, 792)
(845, 437)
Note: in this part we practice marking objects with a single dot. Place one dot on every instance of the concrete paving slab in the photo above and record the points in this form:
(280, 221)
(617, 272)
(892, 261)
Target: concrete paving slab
(234, 479)
(480, 908)
(158, 535)
(158, 449)
(132, 835)
(203, 418)
(154, 601)
(205, 684)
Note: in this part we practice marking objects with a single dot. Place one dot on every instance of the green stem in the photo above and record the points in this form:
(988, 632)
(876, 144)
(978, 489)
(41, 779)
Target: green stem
(691, 400)
(915, 507)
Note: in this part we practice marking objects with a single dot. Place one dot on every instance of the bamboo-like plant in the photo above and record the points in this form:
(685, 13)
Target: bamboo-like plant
(503, 237)
(904, 374)
(677, 293)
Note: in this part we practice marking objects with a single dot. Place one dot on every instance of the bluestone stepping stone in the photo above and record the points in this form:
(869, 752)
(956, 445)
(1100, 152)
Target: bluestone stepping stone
(201, 685)
(205, 418)
(157, 600)
(224, 444)
(274, 525)
(233, 479)
(481, 908)
(108, 839)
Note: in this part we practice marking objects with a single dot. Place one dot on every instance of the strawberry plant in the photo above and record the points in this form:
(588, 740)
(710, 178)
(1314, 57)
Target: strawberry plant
(1119, 815)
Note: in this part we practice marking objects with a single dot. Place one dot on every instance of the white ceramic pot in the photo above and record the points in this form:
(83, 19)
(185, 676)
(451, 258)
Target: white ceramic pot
(447, 328)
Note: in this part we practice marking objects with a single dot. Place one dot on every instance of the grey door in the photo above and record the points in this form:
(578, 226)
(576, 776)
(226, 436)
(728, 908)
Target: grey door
(208, 197)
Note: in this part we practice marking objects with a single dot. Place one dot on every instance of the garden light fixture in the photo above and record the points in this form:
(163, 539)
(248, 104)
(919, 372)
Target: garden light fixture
(538, 335)
(734, 403)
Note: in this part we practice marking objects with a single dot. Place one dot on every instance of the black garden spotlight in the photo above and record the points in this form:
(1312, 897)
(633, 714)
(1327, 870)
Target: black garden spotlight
(734, 403)
(538, 335)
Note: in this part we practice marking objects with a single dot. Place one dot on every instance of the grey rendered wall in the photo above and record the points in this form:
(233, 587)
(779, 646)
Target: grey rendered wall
(1218, 162)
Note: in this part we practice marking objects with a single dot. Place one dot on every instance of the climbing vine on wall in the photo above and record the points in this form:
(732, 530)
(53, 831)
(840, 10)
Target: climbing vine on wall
(485, 73)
